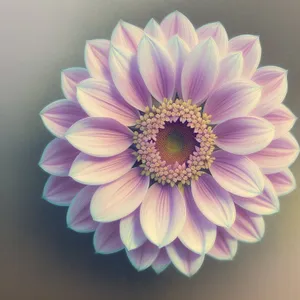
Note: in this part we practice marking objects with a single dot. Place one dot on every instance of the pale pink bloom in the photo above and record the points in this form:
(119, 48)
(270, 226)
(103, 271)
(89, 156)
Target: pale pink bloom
(172, 144)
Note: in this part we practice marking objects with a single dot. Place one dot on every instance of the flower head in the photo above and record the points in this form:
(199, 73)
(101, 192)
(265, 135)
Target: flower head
(172, 143)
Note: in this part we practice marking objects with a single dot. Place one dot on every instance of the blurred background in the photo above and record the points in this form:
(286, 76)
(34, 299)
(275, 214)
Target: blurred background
(39, 257)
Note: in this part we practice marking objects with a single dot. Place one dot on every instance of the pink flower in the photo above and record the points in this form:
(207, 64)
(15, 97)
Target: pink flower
(172, 144)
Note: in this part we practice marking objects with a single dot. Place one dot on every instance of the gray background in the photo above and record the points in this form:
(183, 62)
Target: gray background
(39, 257)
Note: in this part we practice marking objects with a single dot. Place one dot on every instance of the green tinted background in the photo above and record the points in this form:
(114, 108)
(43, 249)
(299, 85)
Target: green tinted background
(39, 257)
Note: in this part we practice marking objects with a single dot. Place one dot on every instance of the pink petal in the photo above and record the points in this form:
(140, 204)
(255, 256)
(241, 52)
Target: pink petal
(231, 68)
(213, 201)
(142, 257)
(96, 58)
(248, 227)
(278, 155)
(79, 217)
(200, 72)
(198, 234)
(216, 31)
(274, 88)
(157, 68)
(282, 119)
(264, 204)
(178, 23)
(60, 115)
(154, 30)
(131, 231)
(127, 36)
(92, 170)
(179, 51)
(161, 262)
(58, 157)
(120, 198)
(163, 213)
(100, 98)
(232, 100)
(61, 190)
(103, 137)
(186, 261)
(250, 46)
(69, 80)
(237, 174)
(283, 182)
(107, 239)
(225, 246)
(127, 78)
(244, 135)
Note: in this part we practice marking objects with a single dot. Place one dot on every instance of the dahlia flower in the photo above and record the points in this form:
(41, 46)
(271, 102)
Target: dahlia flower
(172, 144)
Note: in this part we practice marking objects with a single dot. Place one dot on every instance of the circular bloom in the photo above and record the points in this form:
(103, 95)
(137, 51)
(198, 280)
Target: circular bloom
(172, 144)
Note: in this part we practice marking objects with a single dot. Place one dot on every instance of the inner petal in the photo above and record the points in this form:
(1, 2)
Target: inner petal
(176, 142)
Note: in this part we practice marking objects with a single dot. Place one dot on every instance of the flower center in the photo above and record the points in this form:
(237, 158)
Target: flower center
(174, 142)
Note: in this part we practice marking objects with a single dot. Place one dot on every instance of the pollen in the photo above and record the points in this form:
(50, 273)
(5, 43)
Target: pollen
(174, 142)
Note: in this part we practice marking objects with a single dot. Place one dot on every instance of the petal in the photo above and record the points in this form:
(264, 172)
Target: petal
(131, 232)
(58, 157)
(244, 135)
(100, 98)
(231, 68)
(79, 217)
(200, 72)
(274, 88)
(107, 239)
(278, 155)
(126, 35)
(103, 137)
(216, 31)
(198, 234)
(154, 30)
(157, 68)
(127, 78)
(225, 246)
(142, 257)
(232, 100)
(92, 170)
(179, 51)
(161, 262)
(178, 23)
(237, 174)
(282, 119)
(120, 198)
(69, 80)
(283, 182)
(248, 227)
(250, 46)
(264, 204)
(61, 190)
(163, 213)
(60, 115)
(213, 201)
(186, 261)
(96, 58)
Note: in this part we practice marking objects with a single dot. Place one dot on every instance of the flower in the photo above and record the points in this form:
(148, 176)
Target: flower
(172, 144)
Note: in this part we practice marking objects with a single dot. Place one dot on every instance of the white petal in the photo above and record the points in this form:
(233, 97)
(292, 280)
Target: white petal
(92, 170)
(216, 31)
(200, 72)
(127, 78)
(163, 213)
(131, 231)
(157, 68)
(120, 198)
(102, 137)
(178, 23)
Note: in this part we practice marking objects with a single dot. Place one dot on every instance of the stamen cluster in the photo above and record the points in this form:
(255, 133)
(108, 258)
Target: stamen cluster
(145, 137)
